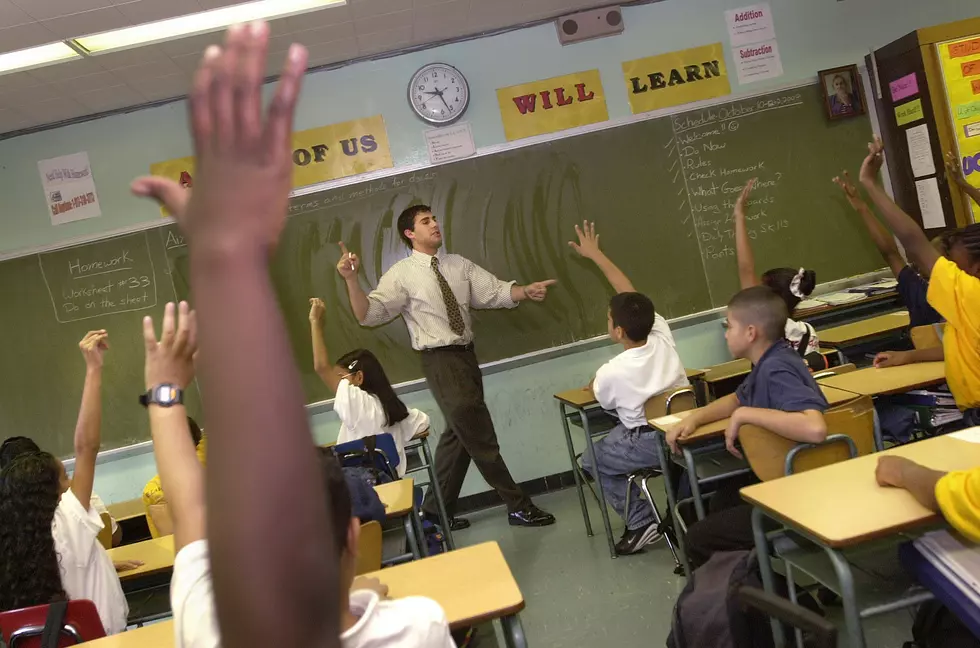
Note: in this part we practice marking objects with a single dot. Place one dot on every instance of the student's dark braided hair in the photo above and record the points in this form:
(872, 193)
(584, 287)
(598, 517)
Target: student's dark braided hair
(968, 237)
(30, 489)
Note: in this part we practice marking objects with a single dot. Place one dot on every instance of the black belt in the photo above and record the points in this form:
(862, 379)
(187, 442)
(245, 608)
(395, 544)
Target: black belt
(450, 347)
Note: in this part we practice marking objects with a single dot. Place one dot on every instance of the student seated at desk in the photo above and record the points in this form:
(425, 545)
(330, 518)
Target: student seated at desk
(158, 518)
(49, 540)
(779, 395)
(954, 291)
(912, 286)
(365, 400)
(648, 365)
(792, 286)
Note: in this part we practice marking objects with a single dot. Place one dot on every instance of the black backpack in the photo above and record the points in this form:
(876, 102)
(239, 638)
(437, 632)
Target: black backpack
(936, 627)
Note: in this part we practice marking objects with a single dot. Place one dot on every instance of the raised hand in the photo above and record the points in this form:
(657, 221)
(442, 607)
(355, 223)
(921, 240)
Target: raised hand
(538, 290)
(954, 170)
(850, 191)
(171, 359)
(93, 347)
(588, 240)
(317, 308)
(743, 198)
(872, 163)
(349, 263)
(244, 165)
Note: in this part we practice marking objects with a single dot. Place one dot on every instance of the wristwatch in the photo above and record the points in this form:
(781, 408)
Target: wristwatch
(164, 395)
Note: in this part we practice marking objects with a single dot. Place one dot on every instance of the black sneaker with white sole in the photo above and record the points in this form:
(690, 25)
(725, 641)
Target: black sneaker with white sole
(634, 540)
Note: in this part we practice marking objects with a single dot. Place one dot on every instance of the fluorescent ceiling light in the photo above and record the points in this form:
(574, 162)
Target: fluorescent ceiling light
(198, 23)
(35, 57)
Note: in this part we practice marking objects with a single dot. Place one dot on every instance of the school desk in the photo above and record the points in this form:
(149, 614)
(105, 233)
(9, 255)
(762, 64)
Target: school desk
(829, 314)
(579, 407)
(472, 584)
(864, 330)
(398, 498)
(156, 554)
(418, 449)
(840, 507)
(122, 511)
(872, 381)
(157, 635)
(723, 379)
(946, 591)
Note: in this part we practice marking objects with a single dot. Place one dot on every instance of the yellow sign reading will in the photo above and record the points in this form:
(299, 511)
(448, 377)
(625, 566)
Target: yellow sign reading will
(909, 112)
(552, 104)
(676, 78)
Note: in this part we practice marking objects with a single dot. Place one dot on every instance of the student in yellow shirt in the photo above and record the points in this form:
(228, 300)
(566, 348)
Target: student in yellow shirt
(954, 290)
(158, 517)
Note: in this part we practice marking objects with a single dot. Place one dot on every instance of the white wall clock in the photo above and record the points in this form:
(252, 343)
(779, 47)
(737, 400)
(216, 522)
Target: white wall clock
(438, 93)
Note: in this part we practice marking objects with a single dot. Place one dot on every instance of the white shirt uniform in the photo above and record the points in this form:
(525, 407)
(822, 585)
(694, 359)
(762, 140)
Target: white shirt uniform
(795, 332)
(101, 508)
(410, 288)
(361, 415)
(626, 382)
(192, 599)
(87, 571)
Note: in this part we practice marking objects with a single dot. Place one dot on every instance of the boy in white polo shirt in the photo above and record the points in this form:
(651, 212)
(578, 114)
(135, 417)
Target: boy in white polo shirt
(648, 366)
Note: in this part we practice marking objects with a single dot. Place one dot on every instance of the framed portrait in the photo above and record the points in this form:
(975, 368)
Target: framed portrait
(843, 93)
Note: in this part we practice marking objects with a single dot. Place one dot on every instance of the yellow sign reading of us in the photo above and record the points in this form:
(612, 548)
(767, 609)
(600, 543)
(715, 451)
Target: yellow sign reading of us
(676, 78)
(552, 104)
(319, 154)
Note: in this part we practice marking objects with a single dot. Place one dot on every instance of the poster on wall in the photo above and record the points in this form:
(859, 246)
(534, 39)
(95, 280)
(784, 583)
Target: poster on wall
(69, 189)
(676, 78)
(960, 60)
(319, 154)
(551, 105)
(752, 35)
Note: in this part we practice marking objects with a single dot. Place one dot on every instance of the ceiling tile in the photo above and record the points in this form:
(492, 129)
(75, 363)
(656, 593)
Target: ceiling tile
(45, 9)
(24, 36)
(17, 81)
(130, 57)
(66, 70)
(385, 41)
(214, 4)
(82, 84)
(48, 112)
(87, 22)
(144, 11)
(36, 94)
(369, 8)
(147, 71)
(311, 37)
(428, 3)
(310, 20)
(333, 52)
(167, 87)
(191, 45)
(120, 96)
(485, 15)
(11, 15)
(438, 22)
(11, 120)
(384, 22)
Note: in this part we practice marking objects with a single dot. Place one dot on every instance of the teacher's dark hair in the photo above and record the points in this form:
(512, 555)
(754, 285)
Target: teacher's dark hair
(406, 221)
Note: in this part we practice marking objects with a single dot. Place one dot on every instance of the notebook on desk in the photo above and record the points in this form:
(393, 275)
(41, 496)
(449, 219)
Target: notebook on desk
(956, 558)
(835, 299)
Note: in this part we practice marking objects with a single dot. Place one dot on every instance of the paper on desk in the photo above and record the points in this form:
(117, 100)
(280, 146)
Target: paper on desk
(972, 435)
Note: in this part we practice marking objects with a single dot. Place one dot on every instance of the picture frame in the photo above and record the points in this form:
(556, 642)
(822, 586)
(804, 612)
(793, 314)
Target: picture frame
(843, 92)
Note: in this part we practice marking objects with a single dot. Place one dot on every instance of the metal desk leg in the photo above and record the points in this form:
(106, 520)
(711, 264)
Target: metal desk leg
(413, 541)
(416, 518)
(513, 632)
(765, 568)
(437, 492)
(692, 476)
(575, 472)
(603, 508)
(852, 615)
(671, 499)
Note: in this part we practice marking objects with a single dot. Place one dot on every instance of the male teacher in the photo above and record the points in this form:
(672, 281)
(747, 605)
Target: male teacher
(434, 292)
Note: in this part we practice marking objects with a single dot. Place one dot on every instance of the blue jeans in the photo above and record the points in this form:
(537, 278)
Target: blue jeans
(618, 453)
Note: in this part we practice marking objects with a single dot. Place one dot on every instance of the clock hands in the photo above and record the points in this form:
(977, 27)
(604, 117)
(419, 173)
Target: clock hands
(439, 93)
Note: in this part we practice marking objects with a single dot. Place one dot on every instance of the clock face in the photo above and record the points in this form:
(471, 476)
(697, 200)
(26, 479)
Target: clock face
(438, 93)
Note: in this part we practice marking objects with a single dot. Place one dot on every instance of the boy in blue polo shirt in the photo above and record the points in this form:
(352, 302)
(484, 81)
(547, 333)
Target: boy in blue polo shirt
(779, 395)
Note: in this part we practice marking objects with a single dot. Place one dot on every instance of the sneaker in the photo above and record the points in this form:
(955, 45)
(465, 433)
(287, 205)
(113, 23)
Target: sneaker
(634, 540)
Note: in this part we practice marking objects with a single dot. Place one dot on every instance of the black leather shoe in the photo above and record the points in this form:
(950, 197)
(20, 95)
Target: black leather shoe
(531, 516)
(455, 523)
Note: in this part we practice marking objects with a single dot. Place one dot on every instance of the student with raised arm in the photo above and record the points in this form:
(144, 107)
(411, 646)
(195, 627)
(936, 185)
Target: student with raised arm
(49, 540)
(954, 289)
(649, 365)
(955, 171)
(274, 562)
(912, 286)
(792, 286)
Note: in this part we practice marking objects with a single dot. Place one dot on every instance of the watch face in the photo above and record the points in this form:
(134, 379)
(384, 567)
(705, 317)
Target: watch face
(166, 394)
(438, 93)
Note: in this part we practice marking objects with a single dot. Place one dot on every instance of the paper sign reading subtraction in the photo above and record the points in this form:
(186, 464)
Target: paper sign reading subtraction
(930, 204)
(920, 151)
(450, 143)
(757, 62)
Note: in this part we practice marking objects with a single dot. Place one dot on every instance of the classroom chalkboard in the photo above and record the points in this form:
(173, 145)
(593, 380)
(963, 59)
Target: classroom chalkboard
(661, 191)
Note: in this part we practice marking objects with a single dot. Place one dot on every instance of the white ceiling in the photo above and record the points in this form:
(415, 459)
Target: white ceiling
(87, 86)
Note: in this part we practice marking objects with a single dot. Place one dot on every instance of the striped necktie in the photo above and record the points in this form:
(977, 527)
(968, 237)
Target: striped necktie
(449, 299)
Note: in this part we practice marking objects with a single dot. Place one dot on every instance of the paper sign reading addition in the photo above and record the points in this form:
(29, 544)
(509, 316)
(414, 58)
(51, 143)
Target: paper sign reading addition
(968, 110)
(972, 130)
(904, 87)
(450, 143)
(750, 24)
(909, 112)
(757, 62)
(964, 48)
(930, 204)
(920, 151)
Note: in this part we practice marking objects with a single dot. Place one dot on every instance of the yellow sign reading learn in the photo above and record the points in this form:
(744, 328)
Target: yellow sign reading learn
(319, 154)
(676, 78)
(552, 104)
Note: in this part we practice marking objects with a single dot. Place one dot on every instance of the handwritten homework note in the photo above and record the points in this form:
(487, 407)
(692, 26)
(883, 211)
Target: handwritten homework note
(920, 151)
(909, 112)
(904, 87)
(930, 203)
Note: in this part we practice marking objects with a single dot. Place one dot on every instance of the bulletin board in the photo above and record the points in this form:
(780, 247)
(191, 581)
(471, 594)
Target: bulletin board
(960, 61)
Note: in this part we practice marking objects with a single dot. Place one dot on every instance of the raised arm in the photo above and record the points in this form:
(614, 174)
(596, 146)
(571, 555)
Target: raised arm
(170, 361)
(89, 426)
(743, 247)
(917, 246)
(276, 577)
(321, 361)
(348, 266)
(955, 172)
(884, 241)
(588, 247)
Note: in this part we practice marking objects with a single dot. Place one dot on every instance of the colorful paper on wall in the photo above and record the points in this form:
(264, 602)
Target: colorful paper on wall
(319, 154)
(676, 78)
(552, 104)
(904, 87)
(69, 189)
(909, 112)
(960, 62)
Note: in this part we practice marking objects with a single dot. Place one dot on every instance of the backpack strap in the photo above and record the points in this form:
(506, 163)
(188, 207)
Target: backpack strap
(53, 624)
(804, 342)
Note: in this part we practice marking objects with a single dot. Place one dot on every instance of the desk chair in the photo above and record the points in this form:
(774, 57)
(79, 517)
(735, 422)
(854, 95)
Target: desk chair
(927, 336)
(105, 535)
(23, 628)
(369, 548)
(418, 447)
(384, 455)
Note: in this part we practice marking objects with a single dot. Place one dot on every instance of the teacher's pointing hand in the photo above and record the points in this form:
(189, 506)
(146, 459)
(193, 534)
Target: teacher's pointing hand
(538, 290)
(348, 264)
